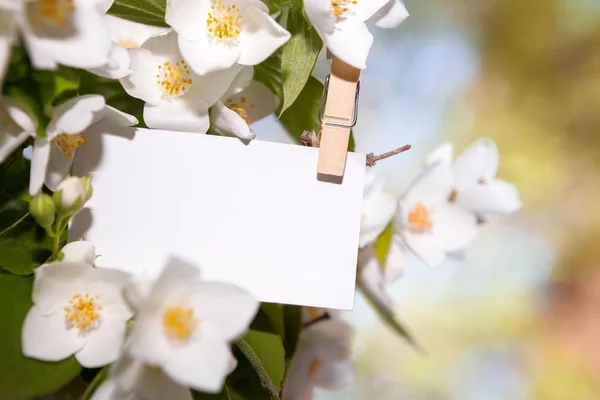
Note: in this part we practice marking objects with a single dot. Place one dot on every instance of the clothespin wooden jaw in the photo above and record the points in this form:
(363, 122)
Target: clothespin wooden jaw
(338, 113)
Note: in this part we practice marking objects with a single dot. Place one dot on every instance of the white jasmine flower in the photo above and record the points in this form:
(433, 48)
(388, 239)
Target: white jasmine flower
(131, 380)
(125, 35)
(17, 124)
(378, 210)
(427, 222)
(246, 101)
(216, 34)
(78, 309)
(7, 36)
(68, 32)
(374, 277)
(322, 359)
(71, 194)
(391, 15)
(185, 325)
(79, 251)
(476, 187)
(129, 34)
(176, 98)
(341, 25)
(53, 154)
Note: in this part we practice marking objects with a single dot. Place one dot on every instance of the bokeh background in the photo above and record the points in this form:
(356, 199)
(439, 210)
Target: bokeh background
(520, 317)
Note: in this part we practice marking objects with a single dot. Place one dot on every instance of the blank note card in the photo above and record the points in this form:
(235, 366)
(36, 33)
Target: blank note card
(254, 215)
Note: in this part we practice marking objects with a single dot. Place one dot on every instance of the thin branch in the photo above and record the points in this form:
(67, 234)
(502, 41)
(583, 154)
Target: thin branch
(323, 317)
(372, 158)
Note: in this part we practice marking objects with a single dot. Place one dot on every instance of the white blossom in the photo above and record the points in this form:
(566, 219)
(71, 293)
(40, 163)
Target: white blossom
(53, 154)
(129, 379)
(426, 221)
(176, 98)
(68, 32)
(341, 25)
(185, 326)
(246, 101)
(216, 34)
(79, 251)
(322, 359)
(378, 209)
(475, 183)
(72, 193)
(17, 124)
(78, 309)
(391, 15)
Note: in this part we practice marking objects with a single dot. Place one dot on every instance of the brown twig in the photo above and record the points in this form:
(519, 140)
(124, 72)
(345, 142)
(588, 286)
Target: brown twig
(323, 317)
(311, 139)
(372, 158)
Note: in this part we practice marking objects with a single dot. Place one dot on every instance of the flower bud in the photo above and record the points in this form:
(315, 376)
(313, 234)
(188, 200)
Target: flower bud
(42, 209)
(70, 196)
(86, 181)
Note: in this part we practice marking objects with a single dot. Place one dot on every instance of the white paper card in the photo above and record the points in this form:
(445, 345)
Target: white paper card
(254, 215)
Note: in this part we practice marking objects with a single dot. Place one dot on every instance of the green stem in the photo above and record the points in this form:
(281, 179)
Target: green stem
(258, 366)
(94, 384)
(56, 238)
(15, 224)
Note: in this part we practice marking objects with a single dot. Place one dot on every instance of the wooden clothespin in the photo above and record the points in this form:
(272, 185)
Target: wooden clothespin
(340, 104)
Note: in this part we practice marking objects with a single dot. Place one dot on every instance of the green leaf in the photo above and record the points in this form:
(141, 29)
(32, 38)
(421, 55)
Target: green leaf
(14, 175)
(151, 12)
(226, 394)
(21, 377)
(292, 320)
(383, 243)
(390, 319)
(269, 73)
(265, 353)
(55, 86)
(299, 56)
(27, 92)
(23, 244)
(304, 113)
(272, 316)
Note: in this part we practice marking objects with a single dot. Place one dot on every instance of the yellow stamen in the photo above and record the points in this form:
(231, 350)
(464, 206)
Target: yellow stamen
(179, 322)
(83, 311)
(174, 78)
(68, 143)
(419, 218)
(339, 7)
(55, 12)
(241, 111)
(224, 22)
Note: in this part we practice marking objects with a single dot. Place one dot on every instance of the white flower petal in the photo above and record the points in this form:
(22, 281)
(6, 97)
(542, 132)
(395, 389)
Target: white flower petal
(350, 41)
(260, 36)
(204, 56)
(7, 38)
(298, 384)
(394, 263)
(227, 122)
(366, 9)
(75, 115)
(79, 251)
(10, 142)
(58, 167)
(117, 66)
(56, 283)
(202, 365)
(335, 376)
(83, 42)
(371, 278)
(46, 337)
(493, 197)
(141, 83)
(320, 17)
(378, 209)
(432, 186)
(454, 227)
(443, 153)
(391, 15)
(21, 115)
(108, 391)
(227, 308)
(188, 17)
(103, 345)
(212, 86)
(39, 163)
(241, 80)
(130, 34)
(478, 161)
(148, 342)
(178, 114)
(426, 246)
(109, 284)
(258, 101)
(111, 116)
(137, 291)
